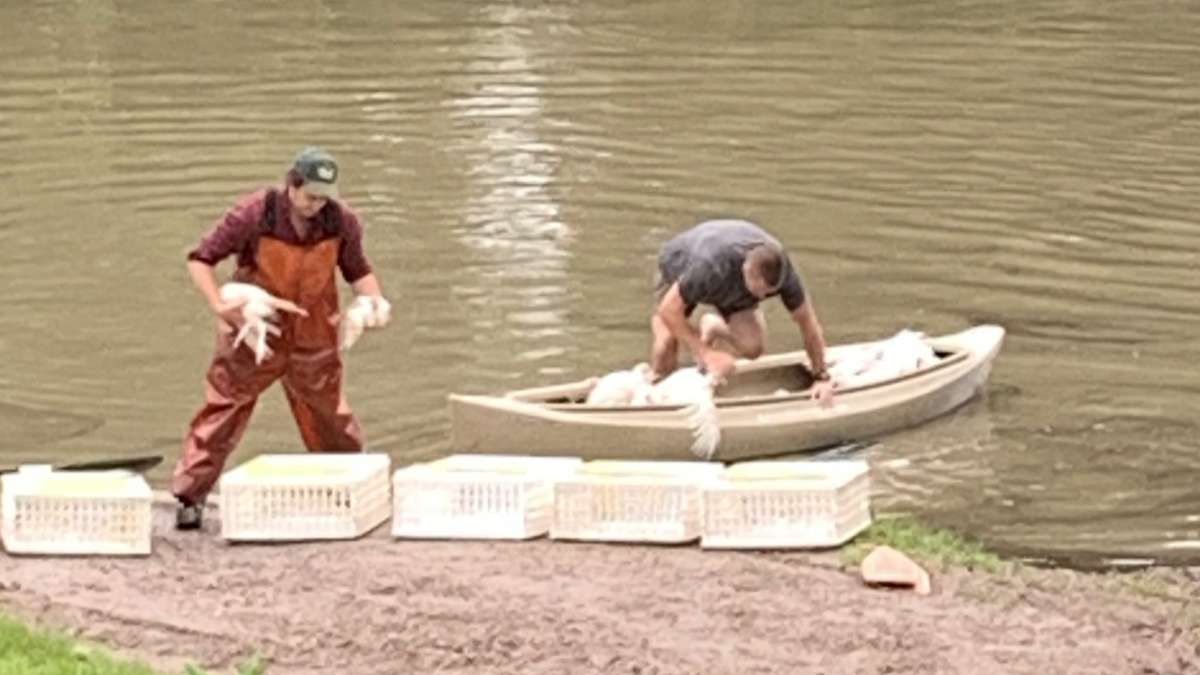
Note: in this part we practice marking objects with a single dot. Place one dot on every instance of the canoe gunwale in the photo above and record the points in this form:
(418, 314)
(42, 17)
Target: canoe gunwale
(951, 355)
(942, 363)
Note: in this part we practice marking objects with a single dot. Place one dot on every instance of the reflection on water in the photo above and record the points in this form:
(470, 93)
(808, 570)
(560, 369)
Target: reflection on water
(37, 428)
(1028, 494)
(518, 267)
(922, 466)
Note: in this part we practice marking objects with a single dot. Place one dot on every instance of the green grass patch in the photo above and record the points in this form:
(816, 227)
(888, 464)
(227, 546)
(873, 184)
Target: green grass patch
(925, 545)
(30, 651)
(25, 650)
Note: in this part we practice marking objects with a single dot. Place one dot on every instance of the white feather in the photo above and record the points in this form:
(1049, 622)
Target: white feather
(622, 387)
(257, 312)
(903, 353)
(695, 390)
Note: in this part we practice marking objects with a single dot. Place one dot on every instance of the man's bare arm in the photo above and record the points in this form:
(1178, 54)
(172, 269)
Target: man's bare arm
(206, 282)
(814, 339)
(367, 285)
(672, 311)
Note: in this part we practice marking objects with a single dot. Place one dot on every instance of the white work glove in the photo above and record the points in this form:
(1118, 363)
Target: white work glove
(366, 312)
(374, 310)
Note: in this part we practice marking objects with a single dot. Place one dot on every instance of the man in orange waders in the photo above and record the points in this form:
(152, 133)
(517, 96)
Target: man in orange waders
(291, 242)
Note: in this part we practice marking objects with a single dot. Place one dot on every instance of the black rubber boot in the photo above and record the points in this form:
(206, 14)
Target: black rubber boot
(189, 516)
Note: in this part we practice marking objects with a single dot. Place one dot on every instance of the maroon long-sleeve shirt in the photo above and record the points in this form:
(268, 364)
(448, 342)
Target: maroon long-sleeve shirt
(237, 233)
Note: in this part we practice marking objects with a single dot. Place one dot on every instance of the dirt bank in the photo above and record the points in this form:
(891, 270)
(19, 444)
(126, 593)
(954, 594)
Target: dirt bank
(376, 606)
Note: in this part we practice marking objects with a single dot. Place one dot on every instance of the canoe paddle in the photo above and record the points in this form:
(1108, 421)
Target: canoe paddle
(136, 464)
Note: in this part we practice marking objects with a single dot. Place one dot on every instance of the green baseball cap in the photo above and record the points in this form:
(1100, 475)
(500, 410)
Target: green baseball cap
(319, 170)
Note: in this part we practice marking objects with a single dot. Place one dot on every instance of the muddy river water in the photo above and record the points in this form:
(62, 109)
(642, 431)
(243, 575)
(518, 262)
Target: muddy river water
(931, 163)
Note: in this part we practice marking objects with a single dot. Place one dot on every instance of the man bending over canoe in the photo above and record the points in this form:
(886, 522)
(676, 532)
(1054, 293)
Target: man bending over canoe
(731, 265)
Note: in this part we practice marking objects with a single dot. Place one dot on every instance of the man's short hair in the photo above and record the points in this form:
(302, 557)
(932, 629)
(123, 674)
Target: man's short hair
(768, 261)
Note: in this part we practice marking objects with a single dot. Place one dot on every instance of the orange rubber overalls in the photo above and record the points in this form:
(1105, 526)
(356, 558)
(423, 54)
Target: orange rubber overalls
(304, 356)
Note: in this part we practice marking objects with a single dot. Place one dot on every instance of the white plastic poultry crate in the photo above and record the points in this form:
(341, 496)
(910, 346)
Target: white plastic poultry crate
(47, 512)
(477, 497)
(787, 504)
(305, 497)
(642, 501)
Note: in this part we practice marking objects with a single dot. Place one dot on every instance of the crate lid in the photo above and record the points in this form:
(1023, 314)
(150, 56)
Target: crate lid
(649, 468)
(503, 464)
(308, 467)
(48, 482)
(822, 472)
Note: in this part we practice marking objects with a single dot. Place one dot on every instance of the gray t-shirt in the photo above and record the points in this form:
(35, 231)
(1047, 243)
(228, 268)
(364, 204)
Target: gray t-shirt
(707, 262)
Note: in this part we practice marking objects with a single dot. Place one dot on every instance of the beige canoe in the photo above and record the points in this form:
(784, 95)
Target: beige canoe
(755, 421)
